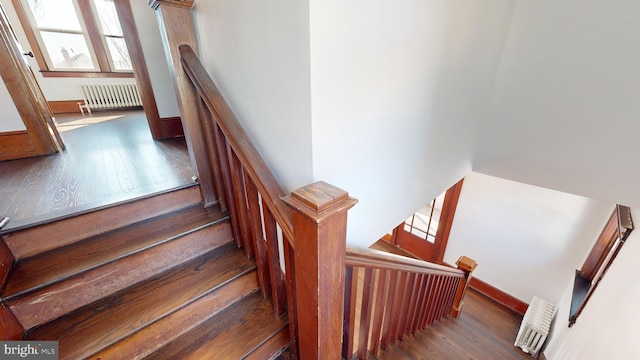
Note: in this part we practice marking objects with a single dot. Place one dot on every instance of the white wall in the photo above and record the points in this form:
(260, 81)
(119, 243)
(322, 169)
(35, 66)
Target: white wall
(526, 239)
(56, 89)
(399, 90)
(258, 54)
(608, 326)
(10, 119)
(565, 108)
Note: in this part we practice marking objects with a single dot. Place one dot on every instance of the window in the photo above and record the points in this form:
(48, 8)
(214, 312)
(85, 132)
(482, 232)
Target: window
(604, 251)
(75, 37)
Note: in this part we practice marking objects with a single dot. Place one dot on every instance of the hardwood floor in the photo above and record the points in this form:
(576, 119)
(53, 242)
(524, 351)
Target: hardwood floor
(110, 157)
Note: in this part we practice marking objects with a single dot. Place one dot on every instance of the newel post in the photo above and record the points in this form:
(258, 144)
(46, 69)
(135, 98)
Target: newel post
(467, 265)
(177, 28)
(319, 229)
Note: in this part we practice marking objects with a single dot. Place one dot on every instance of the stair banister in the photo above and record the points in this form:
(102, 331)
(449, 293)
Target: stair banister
(397, 296)
(312, 221)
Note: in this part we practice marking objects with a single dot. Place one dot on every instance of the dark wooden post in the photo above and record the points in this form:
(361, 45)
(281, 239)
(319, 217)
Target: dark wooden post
(467, 265)
(177, 28)
(319, 228)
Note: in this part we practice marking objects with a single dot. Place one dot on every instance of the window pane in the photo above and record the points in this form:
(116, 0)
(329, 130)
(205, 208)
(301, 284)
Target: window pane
(109, 22)
(67, 51)
(55, 14)
(119, 54)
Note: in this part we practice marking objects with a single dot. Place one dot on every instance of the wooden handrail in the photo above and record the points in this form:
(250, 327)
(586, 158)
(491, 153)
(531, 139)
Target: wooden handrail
(382, 260)
(238, 139)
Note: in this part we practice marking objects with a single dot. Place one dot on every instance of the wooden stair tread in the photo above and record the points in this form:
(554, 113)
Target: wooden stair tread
(83, 255)
(236, 332)
(51, 302)
(155, 336)
(115, 318)
(272, 347)
(40, 239)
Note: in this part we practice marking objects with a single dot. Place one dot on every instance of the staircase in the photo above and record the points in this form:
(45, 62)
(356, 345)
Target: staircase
(156, 278)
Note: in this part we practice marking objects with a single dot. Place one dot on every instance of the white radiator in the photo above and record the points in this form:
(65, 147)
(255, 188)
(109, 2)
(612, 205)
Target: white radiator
(115, 95)
(535, 326)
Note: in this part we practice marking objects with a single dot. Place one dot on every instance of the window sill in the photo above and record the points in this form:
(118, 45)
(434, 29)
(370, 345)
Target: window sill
(86, 74)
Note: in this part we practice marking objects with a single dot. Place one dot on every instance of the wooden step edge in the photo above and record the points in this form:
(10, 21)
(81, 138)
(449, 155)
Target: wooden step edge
(11, 328)
(158, 334)
(236, 332)
(116, 317)
(272, 347)
(7, 263)
(32, 241)
(50, 303)
(25, 292)
(13, 226)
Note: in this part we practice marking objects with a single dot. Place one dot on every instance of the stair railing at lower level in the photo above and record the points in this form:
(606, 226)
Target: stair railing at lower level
(389, 296)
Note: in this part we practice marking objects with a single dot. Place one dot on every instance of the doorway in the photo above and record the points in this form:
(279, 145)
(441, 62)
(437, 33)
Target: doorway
(426, 232)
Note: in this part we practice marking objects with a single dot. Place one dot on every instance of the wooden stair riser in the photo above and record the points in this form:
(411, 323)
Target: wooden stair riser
(61, 263)
(162, 332)
(52, 302)
(236, 333)
(33, 241)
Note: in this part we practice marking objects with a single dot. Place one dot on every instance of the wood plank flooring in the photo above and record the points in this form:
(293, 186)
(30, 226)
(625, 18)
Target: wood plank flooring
(110, 158)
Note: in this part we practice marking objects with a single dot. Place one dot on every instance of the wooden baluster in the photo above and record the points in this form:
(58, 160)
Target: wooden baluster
(240, 196)
(415, 303)
(221, 144)
(319, 226)
(438, 298)
(365, 313)
(381, 296)
(420, 302)
(425, 302)
(273, 255)
(433, 293)
(349, 317)
(388, 319)
(289, 258)
(446, 291)
(397, 306)
(262, 260)
(176, 28)
(209, 129)
(404, 307)
(467, 265)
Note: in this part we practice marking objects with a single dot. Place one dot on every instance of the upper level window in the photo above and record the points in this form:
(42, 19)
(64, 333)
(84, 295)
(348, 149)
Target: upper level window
(75, 36)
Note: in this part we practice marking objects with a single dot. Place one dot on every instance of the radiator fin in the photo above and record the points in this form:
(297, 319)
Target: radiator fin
(535, 326)
(112, 95)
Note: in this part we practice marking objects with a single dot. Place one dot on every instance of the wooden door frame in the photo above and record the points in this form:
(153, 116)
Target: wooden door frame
(449, 206)
(36, 140)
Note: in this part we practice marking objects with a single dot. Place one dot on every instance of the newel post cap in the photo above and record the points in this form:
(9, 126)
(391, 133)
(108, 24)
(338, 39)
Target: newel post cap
(466, 264)
(319, 200)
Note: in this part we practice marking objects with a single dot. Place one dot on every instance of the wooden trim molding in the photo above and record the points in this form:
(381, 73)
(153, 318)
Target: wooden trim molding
(6, 262)
(86, 74)
(499, 296)
(172, 126)
(16, 145)
(65, 106)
